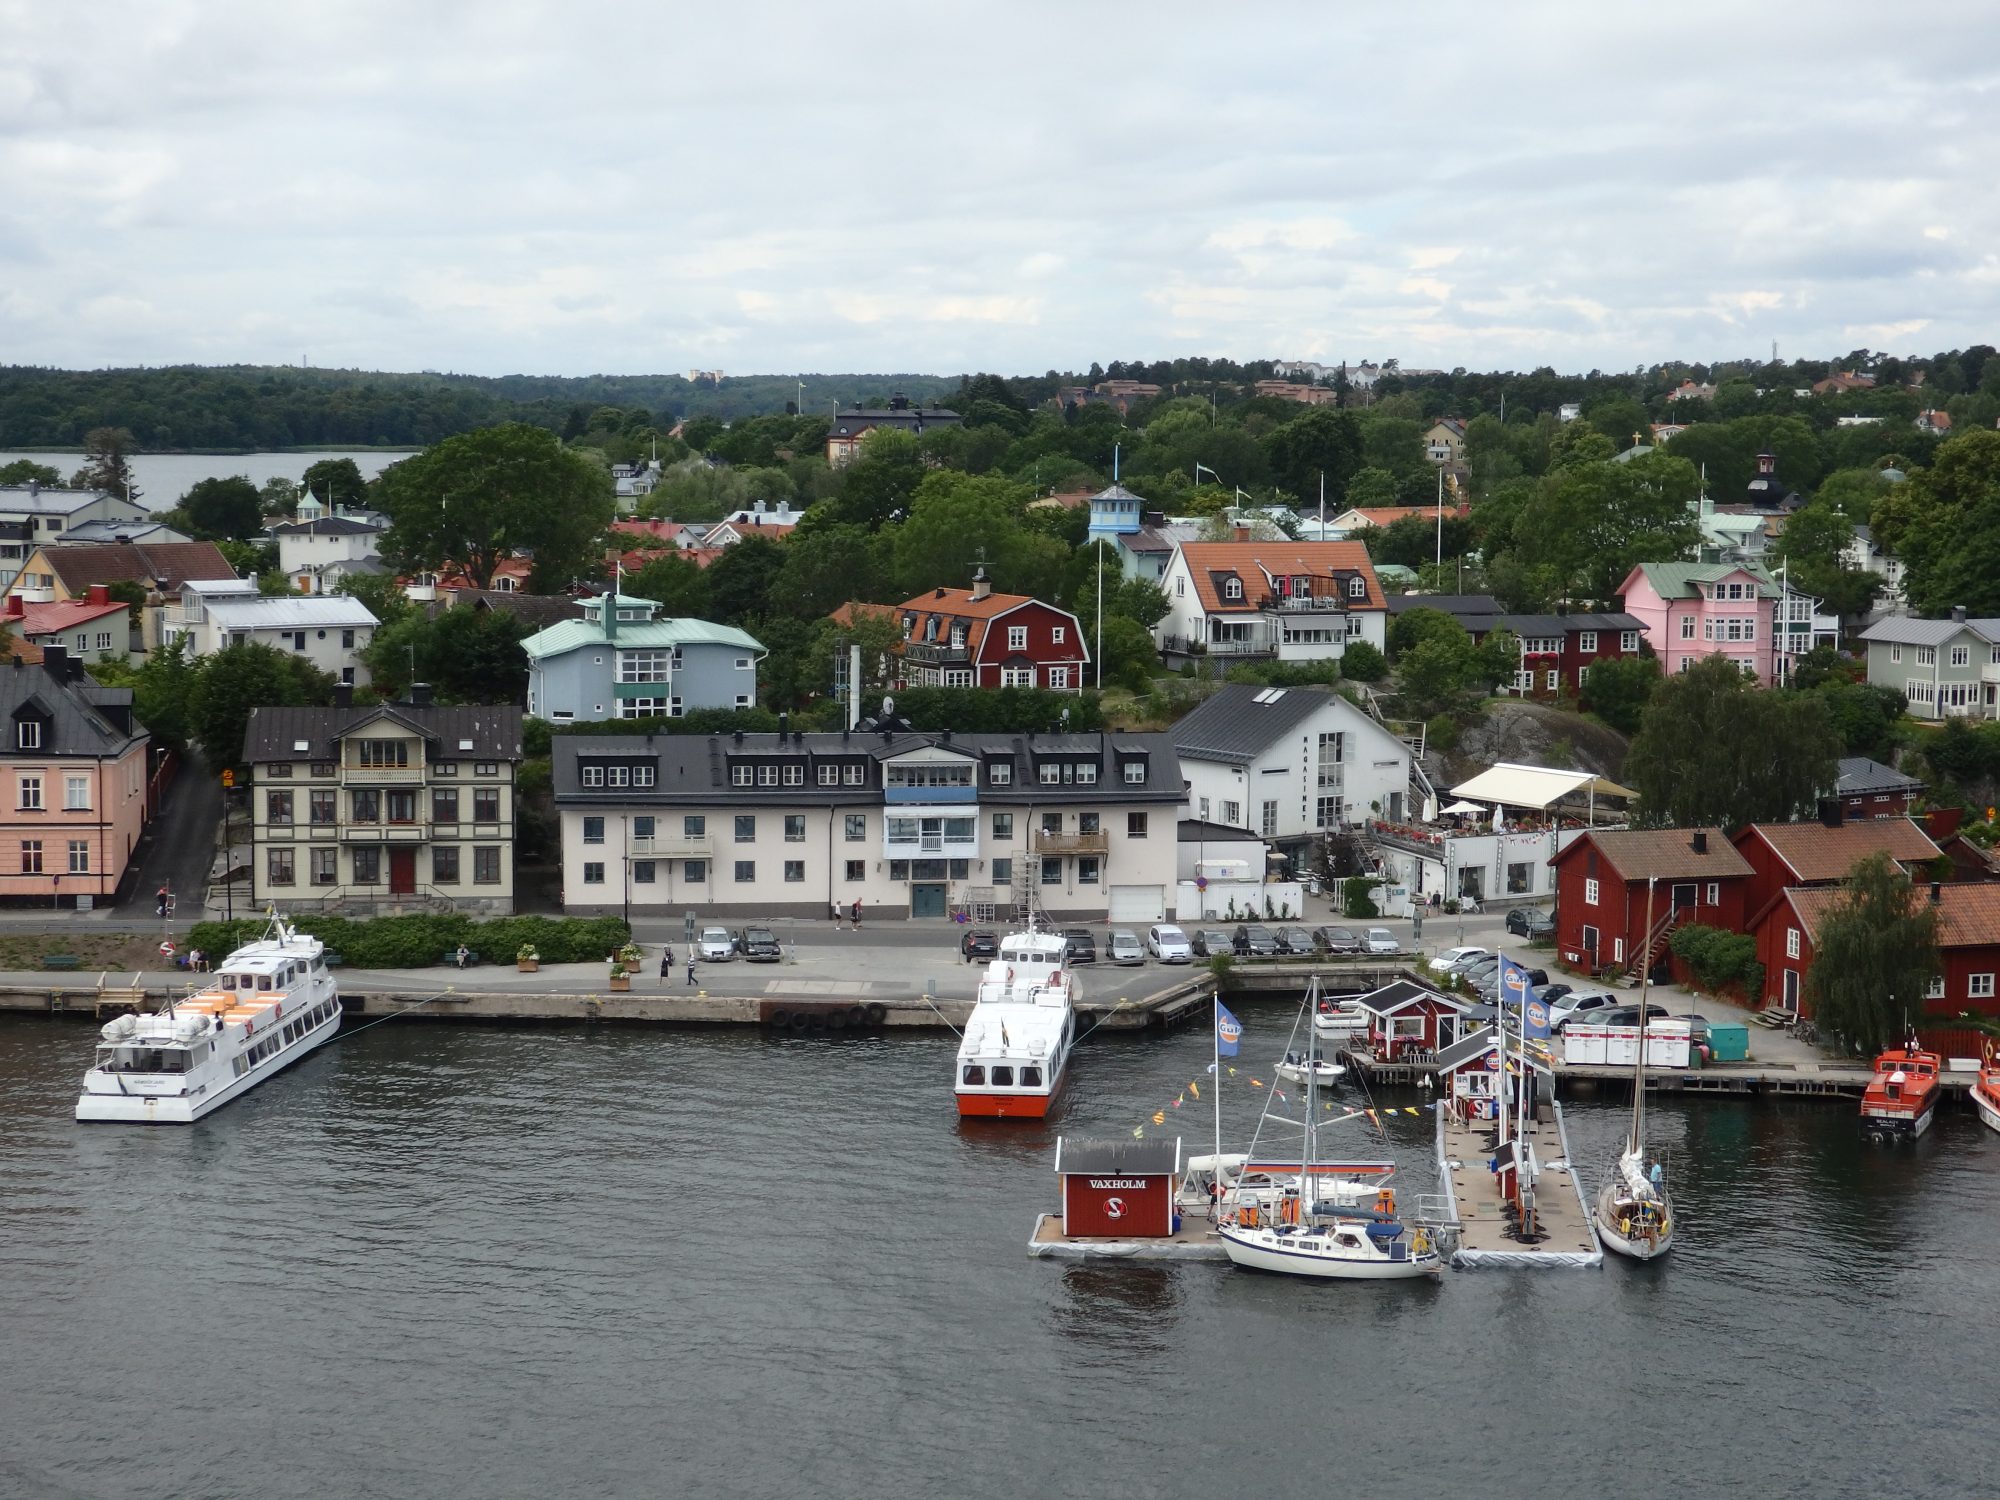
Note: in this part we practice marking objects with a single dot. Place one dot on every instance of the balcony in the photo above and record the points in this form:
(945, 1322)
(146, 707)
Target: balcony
(1071, 843)
(1327, 604)
(1253, 645)
(353, 773)
(670, 848)
(936, 653)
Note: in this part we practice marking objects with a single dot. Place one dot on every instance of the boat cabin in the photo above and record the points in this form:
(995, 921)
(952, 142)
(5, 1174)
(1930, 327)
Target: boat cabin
(1119, 1189)
(1408, 1023)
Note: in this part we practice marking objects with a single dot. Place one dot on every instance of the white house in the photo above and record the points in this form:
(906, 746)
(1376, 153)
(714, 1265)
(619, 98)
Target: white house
(316, 553)
(1296, 601)
(328, 630)
(1290, 765)
(1868, 555)
(32, 515)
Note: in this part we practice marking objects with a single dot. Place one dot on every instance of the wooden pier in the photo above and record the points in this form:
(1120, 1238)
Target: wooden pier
(1196, 1239)
(1484, 1229)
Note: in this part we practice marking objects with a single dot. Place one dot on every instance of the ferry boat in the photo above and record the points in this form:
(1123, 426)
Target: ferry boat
(1986, 1092)
(269, 1003)
(1902, 1096)
(1016, 1046)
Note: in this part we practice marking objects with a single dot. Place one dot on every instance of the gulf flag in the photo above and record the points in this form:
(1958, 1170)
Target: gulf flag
(1514, 987)
(1228, 1030)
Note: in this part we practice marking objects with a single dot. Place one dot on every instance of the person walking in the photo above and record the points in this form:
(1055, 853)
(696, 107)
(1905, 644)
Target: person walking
(836, 916)
(666, 965)
(690, 968)
(857, 913)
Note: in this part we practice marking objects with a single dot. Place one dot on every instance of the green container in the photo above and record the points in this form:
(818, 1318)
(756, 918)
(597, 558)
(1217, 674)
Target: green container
(1729, 1043)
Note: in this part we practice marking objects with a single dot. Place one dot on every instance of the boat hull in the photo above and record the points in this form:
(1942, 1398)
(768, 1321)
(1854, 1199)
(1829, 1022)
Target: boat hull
(1988, 1106)
(182, 1109)
(1633, 1246)
(1005, 1106)
(1253, 1253)
(1903, 1127)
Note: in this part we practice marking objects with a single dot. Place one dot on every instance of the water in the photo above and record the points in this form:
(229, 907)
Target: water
(163, 478)
(464, 1262)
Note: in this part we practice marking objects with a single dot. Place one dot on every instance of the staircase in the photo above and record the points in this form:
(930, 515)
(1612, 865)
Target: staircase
(1412, 733)
(1647, 954)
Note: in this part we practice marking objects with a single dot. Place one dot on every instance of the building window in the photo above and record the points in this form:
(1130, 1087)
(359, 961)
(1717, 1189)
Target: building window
(899, 869)
(795, 828)
(1555, 680)
(1017, 637)
(486, 865)
(31, 856)
(1051, 773)
(1586, 640)
(1003, 872)
(593, 830)
(1232, 588)
(1052, 822)
(486, 805)
(1935, 989)
(1791, 942)
(1687, 627)
(327, 768)
(694, 871)
(1086, 869)
(1058, 677)
(1926, 656)
(76, 794)
(403, 807)
(795, 871)
(829, 775)
(1232, 813)
(739, 775)
(1000, 773)
(364, 806)
(857, 869)
(746, 871)
(1017, 677)
(278, 807)
(643, 666)
(277, 866)
(1895, 654)
(381, 754)
(444, 864)
(31, 791)
(643, 872)
(857, 827)
(325, 866)
(1135, 825)
(1268, 824)
(1327, 812)
(694, 826)
(1003, 826)
(444, 804)
(1628, 641)
(767, 776)
(28, 734)
(1980, 987)
(1961, 656)
(1135, 773)
(1590, 893)
(367, 866)
(593, 872)
(1714, 893)
(746, 828)
(1051, 869)
(854, 775)
(795, 775)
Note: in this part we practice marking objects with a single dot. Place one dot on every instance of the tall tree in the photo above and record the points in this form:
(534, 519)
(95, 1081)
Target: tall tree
(1874, 957)
(1326, 440)
(674, 582)
(1713, 748)
(218, 509)
(1942, 523)
(27, 471)
(1590, 523)
(227, 684)
(742, 582)
(482, 496)
(465, 654)
(335, 482)
(106, 462)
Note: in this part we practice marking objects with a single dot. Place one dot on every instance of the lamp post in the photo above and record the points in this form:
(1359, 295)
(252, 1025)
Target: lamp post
(626, 847)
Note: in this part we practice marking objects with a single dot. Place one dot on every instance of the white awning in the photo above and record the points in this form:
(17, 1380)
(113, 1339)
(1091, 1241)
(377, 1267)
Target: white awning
(1535, 786)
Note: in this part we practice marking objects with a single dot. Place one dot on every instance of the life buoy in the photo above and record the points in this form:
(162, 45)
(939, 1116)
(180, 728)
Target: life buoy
(1056, 980)
(1010, 976)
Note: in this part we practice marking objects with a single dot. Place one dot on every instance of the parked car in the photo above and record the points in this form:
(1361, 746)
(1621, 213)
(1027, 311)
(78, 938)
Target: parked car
(1294, 940)
(1336, 940)
(978, 947)
(1549, 994)
(1081, 945)
(1380, 940)
(1254, 940)
(1453, 959)
(1489, 986)
(1628, 1015)
(1591, 1005)
(758, 944)
(1209, 941)
(1531, 922)
(717, 945)
(1123, 948)
(1169, 945)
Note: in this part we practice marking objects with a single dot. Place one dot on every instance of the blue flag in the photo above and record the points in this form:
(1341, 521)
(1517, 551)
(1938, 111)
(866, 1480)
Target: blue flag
(1514, 987)
(1535, 1018)
(1228, 1031)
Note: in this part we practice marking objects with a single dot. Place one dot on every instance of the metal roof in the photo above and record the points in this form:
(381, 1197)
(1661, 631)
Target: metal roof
(574, 635)
(287, 612)
(1243, 720)
(1154, 1158)
(1907, 630)
(462, 731)
(1859, 774)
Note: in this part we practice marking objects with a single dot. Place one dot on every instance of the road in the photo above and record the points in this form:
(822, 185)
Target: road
(179, 848)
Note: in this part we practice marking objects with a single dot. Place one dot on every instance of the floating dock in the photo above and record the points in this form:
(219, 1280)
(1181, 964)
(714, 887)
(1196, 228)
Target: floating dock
(1477, 1218)
(1194, 1240)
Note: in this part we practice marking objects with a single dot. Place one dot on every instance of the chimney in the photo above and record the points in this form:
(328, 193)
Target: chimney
(55, 661)
(100, 593)
(1958, 614)
(1937, 893)
(420, 695)
(1830, 811)
(1242, 533)
(343, 695)
(34, 488)
(982, 586)
(1699, 843)
(784, 726)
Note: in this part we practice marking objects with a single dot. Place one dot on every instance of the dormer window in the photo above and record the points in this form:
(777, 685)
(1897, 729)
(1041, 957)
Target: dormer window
(28, 734)
(1357, 588)
(1232, 588)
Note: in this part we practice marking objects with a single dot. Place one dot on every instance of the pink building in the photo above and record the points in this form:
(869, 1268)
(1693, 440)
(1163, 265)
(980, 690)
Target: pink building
(75, 800)
(1692, 610)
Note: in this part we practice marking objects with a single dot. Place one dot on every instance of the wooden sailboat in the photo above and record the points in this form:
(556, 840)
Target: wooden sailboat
(1635, 1217)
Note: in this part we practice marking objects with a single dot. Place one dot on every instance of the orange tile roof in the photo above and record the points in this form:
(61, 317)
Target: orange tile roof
(1388, 515)
(1663, 853)
(1258, 562)
(855, 609)
(959, 606)
(1968, 911)
(1815, 852)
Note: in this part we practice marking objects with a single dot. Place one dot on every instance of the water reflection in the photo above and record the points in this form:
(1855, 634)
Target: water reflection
(1125, 1307)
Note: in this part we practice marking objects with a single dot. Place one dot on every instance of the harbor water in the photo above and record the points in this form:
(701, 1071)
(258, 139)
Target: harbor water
(464, 1262)
(162, 479)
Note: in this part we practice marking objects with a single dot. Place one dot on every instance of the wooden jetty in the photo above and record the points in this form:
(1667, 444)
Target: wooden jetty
(1480, 1225)
(1196, 1239)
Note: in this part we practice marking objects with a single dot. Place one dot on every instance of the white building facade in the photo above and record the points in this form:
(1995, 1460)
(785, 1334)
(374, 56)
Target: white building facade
(330, 630)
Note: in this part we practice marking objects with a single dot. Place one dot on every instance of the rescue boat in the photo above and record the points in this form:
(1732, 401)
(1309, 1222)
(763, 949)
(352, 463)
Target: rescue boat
(1902, 1096)
(1014, 1054)
(1986, 1092)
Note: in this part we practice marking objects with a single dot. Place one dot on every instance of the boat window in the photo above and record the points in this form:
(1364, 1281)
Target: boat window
(1349, 1241)
(1003, 1075)
(1031, 1078)
(263, 981)
(973, 1074)
(229, 981)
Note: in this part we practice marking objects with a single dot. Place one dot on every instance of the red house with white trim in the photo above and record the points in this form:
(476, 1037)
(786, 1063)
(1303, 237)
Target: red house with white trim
(977, 638)
(1118, 1189)
(1824, 852)
(1968, 939)
(1698, 878)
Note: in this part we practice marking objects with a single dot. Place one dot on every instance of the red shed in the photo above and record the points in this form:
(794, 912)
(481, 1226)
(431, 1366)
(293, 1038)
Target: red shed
(1118, 1189)
(1406, 1019)
(1601, 878)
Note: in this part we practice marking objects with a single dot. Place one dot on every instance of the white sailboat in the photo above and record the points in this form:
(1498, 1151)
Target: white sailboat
(1635, 1217)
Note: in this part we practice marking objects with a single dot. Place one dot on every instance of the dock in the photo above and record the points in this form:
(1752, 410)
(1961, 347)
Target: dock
(1479, 1222)
(1194, 1240)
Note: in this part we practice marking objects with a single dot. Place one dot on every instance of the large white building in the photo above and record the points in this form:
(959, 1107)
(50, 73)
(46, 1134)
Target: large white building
(316, 552)
(1290, 765)
(911, 824)
(328, 630)
(1296, 601)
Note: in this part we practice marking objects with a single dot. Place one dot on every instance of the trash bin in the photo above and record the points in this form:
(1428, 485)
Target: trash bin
(1729, 1043)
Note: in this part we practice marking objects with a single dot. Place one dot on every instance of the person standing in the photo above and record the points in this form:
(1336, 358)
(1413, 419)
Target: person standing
(836, 916)
(690, 968)
(666, 965)
(857, 913)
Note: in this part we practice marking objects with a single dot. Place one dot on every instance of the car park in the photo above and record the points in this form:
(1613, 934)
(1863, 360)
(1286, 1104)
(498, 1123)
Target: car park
(1336, 940)
(1209, 941)
(1080, 945)
(1589, 1004)
(717, 945)
(1294, 940)
(759, 945)
(1381, 940)
(1254, 940)
(1123, 948)
(978, 947)
(1455, 958)
(1531, 922)
(1169, 945)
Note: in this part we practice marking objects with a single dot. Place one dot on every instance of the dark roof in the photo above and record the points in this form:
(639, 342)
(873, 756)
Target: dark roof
(1544, 625)
(1154, 1158)
(1451, 604)
(1394, 996)
(1859, 774)
(275, 733)
(326, 526)
(80, 718)
(169, 564)
(1662, 853)
(694, 768)
(1195, 831)
(538, 611)
(1243, 720)
(1478, 1044)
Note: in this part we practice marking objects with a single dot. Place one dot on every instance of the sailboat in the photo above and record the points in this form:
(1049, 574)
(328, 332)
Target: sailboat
(1293, 1231)
(1635, 1217)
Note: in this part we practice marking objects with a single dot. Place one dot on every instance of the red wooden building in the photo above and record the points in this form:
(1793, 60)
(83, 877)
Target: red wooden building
(1406, 1019)
(1698, 878)
(1118, 1189)
(1825, 852)
(1968, 937)
(1556, 650)
(977, 638)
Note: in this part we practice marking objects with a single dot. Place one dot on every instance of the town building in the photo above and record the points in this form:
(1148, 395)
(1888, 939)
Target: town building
(33, 514)
(1968, 944)
(93, 628)
(852, 424)
(1222, 871)
(620, 661)
(56, 573)
(1842, 382)
(1296, 601)
(1292, 765)
(1408, 1022)
(1444, 443)
(78, 795)
(1936, 423)
(776, 522)
(1556, 649)
(1869, 789)
(1767, 490)
(1824, 852)
(1870, 556)
(977, 638)
(994, 826)
(1692, 610)
(317, 553)
(329, 630)
(1292, 390)
(1945, 669)
(395, 807)
(1696, 876)
(1692, 390)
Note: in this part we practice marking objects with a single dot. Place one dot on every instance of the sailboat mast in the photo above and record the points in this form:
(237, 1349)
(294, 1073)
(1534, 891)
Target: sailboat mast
(1645, 989)
(1215, 1088)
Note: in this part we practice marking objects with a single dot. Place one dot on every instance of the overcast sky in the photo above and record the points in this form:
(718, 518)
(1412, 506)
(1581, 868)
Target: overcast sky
(757, 187)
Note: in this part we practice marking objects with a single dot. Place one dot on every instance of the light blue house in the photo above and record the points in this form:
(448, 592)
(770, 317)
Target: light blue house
(620, 662)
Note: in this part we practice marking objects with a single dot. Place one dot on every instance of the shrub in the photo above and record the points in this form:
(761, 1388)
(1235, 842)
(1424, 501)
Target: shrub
(1219, 964)
(1363, 662)
(1441, 733)
(416, 942)
(1357, 897)
(1718, 958)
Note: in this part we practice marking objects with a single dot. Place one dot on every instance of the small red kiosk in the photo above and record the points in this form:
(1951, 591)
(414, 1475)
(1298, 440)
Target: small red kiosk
(1118, 1189)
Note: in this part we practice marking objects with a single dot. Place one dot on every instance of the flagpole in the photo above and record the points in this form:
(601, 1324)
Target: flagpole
(1215, 1044)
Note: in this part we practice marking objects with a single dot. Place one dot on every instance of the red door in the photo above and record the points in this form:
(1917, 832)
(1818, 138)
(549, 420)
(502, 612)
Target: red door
(402, 872)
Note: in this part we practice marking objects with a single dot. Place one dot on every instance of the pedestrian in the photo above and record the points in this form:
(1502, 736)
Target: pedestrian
(690, 968)
(462, 955)
(666, 964)
(857, 913)
(836, 916)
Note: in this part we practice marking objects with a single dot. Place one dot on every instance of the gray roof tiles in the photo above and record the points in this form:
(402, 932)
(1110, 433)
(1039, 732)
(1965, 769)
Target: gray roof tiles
(1243, 720)
(275, 733)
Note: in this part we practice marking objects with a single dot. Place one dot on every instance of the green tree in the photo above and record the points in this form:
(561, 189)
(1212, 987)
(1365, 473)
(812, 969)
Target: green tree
(825, 566)
(1813, 548)
(1126, 653)
(742, 581)
(677, 584)
(278, 498)
(1370, 489)
(1591, 523)
(107, 463)
(1864, 714)
(955, 520)
(1414, 627)
(1412, 541)
(227, 684)
(482, 496)
(1942, 523)
(1435, 673)
(1362, 662)
(1326, 440)
(466, 655)
(27, 471)
(697, 491)
(1874, 957)
(223, 508)
(880, 481)
(335, 482)
(1617, 689)
(1713, 748)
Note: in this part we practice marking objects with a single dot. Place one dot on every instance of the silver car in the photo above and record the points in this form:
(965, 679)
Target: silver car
(1123, 948)
(717, 945)
(1169, 945)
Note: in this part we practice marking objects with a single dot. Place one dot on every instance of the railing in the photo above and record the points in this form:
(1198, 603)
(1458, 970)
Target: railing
(934, 652)
(1648, 952)
(1071, 843)
(657, 847)
(1303, 604)
(1242, 646)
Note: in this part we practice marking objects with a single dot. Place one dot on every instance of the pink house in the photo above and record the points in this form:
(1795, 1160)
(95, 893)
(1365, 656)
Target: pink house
(1692, 610)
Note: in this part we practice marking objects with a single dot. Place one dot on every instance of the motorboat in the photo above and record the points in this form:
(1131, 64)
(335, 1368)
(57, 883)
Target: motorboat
(1986, 1093)
(1339, 1021)
(1015, 1049)
(1303, 1067)
(1902, 1096)
(269, 1003)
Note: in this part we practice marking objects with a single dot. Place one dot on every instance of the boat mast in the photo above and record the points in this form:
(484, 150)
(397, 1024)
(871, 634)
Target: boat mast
(1215, 1088)
(1645, 988)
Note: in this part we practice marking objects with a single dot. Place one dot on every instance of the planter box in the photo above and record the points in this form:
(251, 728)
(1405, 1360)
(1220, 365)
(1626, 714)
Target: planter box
(528, 965)
(622, 982)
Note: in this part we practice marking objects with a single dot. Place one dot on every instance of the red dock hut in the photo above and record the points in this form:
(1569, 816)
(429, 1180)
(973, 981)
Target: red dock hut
(1118, 1189)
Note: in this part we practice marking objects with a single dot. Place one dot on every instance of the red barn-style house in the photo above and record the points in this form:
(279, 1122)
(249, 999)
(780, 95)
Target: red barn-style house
(1698, 878)
(1556, 650)
(977, 638)
(1968, 940)
(1118, 1189)
(1825, 853)
(1406, 1020)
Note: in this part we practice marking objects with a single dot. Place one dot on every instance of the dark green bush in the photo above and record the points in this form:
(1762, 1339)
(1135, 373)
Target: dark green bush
(1718, 958)
(417, 942)
(1357, 897)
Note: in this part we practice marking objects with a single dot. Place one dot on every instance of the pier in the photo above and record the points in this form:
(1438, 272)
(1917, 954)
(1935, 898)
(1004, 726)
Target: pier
(1480, 1226)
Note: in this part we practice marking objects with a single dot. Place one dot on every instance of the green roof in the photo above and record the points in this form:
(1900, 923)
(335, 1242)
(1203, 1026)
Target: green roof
(1677, 580)
(572, 635)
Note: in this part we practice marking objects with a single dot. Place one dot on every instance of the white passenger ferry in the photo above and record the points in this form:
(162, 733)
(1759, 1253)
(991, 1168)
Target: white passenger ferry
(1017, 1041)
(270, 1003)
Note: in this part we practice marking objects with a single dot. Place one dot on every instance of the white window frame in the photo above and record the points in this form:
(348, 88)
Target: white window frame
(1591, 892)
(1979, 986)
(1586, 640)
(1017, 637)
(1791, 942)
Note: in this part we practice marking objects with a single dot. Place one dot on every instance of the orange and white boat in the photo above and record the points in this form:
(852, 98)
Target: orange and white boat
(1986, 1091)
(1015, 1050)
(1902, 1097)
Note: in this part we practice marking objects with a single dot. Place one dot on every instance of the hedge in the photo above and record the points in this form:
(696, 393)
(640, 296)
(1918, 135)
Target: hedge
(417, 942)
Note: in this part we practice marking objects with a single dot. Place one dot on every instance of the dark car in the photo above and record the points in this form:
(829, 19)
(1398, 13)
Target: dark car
(1295, 940)
(758, 945)
(1082, 945)
(1628, 1015)
(1531, 922)
(1489, 984)
(1548, 994)
(1253, 940)
(978, 947)
(1336, 940)
(1209, 941)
